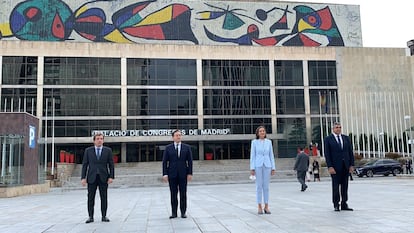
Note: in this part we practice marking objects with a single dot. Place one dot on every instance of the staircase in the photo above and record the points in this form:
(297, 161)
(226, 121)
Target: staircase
(204, 172)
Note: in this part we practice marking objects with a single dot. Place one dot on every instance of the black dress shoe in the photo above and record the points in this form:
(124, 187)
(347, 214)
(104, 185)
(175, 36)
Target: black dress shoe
(105, 219)
(173, 216)
(183, 216)
(336, 208)
(347, 208)
(89, 220)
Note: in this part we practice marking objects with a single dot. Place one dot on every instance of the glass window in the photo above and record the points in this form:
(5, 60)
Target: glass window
(322, 73)
(84, 102)
(294, 135)
(163, 124)
(144, 102)
(19, 70)
(290, 101)
(82, 71)
(239, 125)
(235, 73)
(289, 73)
(324, 101)
(81, 128)
(19, 100)
(236, 102)
(143, 71)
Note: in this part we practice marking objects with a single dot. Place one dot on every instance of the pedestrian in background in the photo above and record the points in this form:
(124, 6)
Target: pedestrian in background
(301, 167)
(315, 169)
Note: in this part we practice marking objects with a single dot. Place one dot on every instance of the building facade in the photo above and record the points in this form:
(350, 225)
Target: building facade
(136, 70)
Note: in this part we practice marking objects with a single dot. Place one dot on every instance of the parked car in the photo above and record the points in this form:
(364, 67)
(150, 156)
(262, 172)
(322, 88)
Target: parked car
(379, 167)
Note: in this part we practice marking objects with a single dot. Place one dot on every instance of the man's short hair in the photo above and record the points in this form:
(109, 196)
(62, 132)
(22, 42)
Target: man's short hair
(175, 131)
(98, 134)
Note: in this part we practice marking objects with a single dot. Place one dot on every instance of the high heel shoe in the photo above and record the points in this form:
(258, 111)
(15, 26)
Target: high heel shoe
(267, 211)
(260, 212)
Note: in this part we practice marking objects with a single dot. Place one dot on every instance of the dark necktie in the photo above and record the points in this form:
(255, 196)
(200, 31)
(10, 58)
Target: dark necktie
(339, 140)
(176, 150)
(98, 153)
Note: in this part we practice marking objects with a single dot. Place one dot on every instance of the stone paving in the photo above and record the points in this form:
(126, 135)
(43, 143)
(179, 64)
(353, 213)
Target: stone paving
(382, 204)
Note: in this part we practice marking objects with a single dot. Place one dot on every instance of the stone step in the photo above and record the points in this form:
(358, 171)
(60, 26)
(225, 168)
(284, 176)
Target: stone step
(204, 172)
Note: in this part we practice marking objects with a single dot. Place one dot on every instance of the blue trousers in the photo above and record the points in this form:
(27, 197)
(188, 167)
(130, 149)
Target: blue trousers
(262, 184)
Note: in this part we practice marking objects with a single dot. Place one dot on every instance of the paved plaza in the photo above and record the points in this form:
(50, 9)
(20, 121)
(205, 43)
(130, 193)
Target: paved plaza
(382, 204)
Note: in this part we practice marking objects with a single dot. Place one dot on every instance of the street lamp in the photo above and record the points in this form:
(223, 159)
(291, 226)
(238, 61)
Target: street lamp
(410, 141)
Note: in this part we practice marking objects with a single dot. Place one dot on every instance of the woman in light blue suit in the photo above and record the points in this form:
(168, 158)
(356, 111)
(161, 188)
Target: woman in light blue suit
(262, 165)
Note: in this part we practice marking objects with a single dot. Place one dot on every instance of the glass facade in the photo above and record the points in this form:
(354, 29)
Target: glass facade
(19, 70)
(82, 71)
(289, 73)
(236, 102)
(238, 95)
(180, 72)
(147, 102)
(235, 73)
(12, 160)
(322, 73)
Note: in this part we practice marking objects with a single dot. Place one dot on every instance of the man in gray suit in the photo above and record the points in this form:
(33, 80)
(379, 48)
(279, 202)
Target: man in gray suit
(301, 167)
(97, 171)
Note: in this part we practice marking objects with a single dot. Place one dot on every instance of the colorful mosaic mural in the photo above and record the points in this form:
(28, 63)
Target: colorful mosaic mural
(182, 22)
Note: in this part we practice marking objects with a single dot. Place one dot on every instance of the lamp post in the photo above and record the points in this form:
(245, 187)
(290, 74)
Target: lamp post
(410, 141)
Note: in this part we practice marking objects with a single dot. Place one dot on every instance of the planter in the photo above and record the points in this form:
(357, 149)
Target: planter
(50, 177)
(209, 156)
(67, 157)
(62, 156)
(72, 158)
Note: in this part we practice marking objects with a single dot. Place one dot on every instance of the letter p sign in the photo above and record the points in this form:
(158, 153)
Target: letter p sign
(32, 136)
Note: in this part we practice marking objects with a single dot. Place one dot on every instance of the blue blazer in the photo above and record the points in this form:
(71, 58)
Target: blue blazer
(91, 165)
(175, 166)
(261, 154)
(334, 154)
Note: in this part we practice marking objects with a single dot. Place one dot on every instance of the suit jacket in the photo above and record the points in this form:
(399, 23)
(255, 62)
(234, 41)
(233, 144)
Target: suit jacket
(91, 166)
(302, 162)
(261, 154)
(335, 155)
(175, 166)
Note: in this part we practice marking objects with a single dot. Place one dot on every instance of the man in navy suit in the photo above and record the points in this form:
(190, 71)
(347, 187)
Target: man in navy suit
(97, 171)
(340, 161)
(177, 170)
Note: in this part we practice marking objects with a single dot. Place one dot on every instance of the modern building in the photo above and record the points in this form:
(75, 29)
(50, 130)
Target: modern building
(136, 70)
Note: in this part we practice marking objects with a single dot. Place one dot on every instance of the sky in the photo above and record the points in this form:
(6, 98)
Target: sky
(383, 23)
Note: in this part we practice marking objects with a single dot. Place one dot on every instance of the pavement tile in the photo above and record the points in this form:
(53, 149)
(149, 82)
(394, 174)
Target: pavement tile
(381, 204)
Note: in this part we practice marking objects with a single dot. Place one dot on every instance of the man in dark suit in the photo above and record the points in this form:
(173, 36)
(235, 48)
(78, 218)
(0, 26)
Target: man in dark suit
(177, 170)
(97, 171)
(301, 167)
(339, 157)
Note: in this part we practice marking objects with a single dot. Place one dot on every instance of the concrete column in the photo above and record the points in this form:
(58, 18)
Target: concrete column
(272, 84)
(39, 102)
(124, 104)
(200, 106)
(307, 101)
